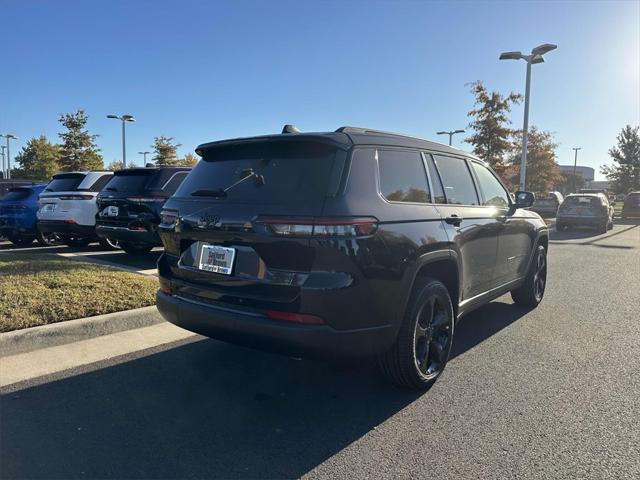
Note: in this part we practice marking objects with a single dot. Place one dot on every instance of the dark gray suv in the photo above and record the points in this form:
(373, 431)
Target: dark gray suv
(348, 243)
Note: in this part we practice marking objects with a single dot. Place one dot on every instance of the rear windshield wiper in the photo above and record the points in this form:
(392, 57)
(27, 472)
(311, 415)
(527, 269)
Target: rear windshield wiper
(220, 193)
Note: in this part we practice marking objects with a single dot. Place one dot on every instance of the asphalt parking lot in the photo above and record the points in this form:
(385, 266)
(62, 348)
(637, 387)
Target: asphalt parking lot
(548, 393)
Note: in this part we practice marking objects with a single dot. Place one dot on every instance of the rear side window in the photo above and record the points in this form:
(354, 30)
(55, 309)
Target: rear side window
(174, 182)
(17, 194)
(402, 176)
(456, 179)
(494, 193)
(65, 182)
(271, 172)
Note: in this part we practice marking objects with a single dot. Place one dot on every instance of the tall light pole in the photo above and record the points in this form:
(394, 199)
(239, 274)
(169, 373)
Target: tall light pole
(450, 133)
(124, 119)
(534, 57)
(8, 136)
(2, 147)
(144, 158)
(575, 165)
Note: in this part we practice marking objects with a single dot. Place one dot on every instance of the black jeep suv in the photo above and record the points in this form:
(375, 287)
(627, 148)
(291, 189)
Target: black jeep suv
(353, 242)
(129, 206)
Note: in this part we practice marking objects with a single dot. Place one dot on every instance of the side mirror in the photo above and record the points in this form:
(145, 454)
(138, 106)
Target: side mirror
(525, 199)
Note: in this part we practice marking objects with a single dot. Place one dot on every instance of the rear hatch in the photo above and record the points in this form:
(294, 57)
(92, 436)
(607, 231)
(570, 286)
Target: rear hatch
(586, 206)
(632, 202)
(134, 196)
(218, 228)
(60, 196)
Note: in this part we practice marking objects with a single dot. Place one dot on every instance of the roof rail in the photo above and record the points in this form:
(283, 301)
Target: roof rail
(347, 129)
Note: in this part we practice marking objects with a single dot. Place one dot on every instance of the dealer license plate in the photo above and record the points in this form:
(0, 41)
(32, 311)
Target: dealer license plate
(214, 258)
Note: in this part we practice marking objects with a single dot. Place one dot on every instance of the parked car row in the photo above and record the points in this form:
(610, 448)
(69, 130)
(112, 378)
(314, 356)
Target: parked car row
(120, 209)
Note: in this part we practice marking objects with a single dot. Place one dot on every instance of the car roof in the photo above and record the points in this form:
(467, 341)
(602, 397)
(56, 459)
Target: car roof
(345, 138)
(177, 168)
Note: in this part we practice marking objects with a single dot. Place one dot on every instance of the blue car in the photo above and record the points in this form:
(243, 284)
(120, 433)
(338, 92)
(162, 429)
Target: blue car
(18, 209)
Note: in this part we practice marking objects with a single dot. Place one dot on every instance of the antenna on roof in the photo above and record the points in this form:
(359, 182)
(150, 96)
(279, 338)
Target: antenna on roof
(288, 128)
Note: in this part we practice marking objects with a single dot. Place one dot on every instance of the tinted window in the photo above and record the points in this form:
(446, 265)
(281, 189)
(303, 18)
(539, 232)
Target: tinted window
(17, 194)
(293, 171)
(129, 181)
(65, 182)
(494, 193)
(456, 178)
(175, 182)
(100, 183)
(436, 184)
(402, 176)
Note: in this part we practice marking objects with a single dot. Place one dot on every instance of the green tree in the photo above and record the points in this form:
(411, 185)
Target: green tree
(490, 124)
(624, 174)
(79, 149)
(38, 160)
(165, 152)
(543, 172)
(115, 165)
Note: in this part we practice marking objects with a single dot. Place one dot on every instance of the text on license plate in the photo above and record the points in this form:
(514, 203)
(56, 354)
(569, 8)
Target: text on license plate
(214, 258)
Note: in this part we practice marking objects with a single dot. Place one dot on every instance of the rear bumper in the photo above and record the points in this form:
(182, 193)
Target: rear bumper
(11, 225)
(64, 228)
(123, 234)
(256, 330)
(582, 221)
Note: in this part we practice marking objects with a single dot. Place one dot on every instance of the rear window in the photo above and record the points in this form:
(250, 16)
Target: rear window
(292, 172)
(583, 201)
(65, 182)
(17, 194)
(128, 182)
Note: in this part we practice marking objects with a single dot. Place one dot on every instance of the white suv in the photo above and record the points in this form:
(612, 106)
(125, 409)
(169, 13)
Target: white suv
(68, 206)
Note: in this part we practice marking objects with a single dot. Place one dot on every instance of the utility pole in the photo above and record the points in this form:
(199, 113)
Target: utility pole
(575, 165)
(8, 136)
(144, 158)
(4, 172)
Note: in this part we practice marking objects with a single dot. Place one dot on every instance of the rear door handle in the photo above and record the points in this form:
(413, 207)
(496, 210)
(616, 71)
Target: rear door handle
(454, 220)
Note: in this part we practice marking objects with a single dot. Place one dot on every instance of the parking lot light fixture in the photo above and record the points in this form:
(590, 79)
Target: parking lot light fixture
(124, 119)
(535, 57)
(7, 173)
(144, 157)
(450, 133)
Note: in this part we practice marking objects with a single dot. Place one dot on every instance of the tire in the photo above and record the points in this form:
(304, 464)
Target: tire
(47, 239)
(610, 225)
(603, 228)
(421, 350)
(109, 244)
(77, 242)
(21, 240)
(135, 248)
(530, 293)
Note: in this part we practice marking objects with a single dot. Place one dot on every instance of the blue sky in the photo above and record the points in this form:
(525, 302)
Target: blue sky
(206, 70)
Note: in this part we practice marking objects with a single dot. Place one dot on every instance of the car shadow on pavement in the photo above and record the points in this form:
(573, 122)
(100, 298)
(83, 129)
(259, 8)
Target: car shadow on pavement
(206, 409)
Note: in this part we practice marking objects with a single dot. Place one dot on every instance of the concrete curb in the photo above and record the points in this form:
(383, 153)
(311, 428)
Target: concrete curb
(35, 338)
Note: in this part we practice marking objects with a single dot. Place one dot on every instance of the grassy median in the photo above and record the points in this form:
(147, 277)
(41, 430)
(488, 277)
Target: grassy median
(39, 288)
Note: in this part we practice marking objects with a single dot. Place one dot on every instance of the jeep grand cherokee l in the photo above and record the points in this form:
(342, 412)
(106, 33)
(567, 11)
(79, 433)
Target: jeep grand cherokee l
(68, 207)
(347, 243)
(129, 206)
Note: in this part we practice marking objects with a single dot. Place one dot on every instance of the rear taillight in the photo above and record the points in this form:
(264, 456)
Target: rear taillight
(148, 199)
(302, 318)
(168, 217)
(320, 226)
(137, 228)
(76, 197)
